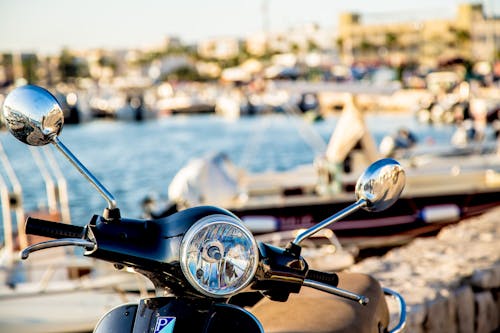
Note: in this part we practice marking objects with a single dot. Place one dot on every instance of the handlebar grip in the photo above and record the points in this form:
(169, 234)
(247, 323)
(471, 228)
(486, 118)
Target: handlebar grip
(328, 278)
(50, 229)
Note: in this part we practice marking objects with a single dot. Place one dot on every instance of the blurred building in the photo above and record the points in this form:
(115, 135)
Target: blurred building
(222, 48)
(48, 70)
(300, 39)
(7, 71)
(469, 35)
(25, 66)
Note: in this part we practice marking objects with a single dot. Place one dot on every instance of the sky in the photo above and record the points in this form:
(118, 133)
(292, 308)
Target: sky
(46, 26)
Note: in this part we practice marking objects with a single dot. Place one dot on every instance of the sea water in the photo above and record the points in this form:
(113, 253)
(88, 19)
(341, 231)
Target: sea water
(138, 159)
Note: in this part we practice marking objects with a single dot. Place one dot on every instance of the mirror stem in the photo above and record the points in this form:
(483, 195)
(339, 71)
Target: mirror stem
(332, 219)
(83, 170)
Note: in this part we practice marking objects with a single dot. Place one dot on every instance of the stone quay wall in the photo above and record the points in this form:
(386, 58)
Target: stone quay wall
(451, 282)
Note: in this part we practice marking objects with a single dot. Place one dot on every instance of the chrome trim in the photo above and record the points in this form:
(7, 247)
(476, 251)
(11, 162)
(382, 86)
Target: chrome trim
(85, 172)
(381, 184)
(401, 325)
(376, 190)
(330, 220)
(33, 116)
(363, 300)
(205, 222)
(89, 246)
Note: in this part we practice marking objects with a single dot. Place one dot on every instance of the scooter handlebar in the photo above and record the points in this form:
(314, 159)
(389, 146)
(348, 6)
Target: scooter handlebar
(324, 277)
(51, 229)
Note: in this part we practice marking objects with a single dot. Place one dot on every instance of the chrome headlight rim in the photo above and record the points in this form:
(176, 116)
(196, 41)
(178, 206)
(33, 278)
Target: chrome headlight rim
(206, 222)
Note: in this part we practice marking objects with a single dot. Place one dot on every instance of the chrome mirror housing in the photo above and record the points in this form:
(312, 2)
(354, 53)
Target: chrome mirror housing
(380, 185)
(33, 115)
(378, 188)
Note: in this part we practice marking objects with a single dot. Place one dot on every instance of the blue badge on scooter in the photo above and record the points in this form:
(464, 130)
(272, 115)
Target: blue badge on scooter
(165, 325)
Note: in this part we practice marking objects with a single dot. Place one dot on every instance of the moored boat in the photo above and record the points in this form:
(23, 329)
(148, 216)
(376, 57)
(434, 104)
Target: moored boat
(443, 186)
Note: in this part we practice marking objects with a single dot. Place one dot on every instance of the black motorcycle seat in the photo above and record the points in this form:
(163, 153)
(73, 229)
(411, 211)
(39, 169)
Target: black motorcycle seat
(316, 311)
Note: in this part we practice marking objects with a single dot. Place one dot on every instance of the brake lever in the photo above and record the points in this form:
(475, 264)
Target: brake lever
(363, 300)
(88, 245)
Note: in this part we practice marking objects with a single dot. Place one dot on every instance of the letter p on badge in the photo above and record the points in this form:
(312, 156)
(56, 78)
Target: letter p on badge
(165, 325)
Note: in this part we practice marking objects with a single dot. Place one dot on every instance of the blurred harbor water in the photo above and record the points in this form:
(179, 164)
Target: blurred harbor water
(137, 159)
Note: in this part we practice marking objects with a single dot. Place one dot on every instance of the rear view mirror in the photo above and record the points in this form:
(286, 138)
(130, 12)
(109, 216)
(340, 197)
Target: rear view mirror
(381, 185)
(378, 188)
(33, 115)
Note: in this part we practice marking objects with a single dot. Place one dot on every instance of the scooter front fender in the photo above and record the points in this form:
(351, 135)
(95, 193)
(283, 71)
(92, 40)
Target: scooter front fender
(158, 314)
(173, 315)
(119, 319)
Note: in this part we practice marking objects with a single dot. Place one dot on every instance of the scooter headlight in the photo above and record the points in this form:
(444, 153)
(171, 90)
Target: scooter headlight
(219, 256)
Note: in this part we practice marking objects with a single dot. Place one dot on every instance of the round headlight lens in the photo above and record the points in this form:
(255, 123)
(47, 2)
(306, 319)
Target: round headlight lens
(219, 256)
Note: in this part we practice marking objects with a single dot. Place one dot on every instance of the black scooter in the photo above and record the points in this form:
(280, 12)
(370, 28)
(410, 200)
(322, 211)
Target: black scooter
(209, 272)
